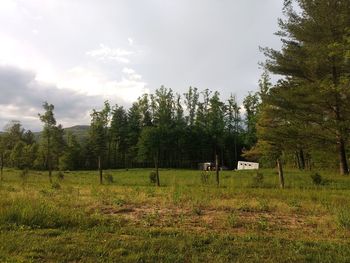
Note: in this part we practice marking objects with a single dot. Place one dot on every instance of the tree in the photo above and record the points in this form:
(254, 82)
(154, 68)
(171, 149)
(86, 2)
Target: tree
(315, 56)
(98, 135)
(191, 102)
(118, 132)
(71, 157)
(251, 106)
(49, 121)
(216, 126)
(233, 121)
(149, 147)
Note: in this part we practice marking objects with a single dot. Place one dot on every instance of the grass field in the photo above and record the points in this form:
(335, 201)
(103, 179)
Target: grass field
(187, 219)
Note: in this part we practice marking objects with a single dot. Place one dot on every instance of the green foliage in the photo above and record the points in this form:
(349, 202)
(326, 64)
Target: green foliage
(60, 175)
(108, 178)
(316, 179)
(204, 176)
(153, 177)
(258, 179)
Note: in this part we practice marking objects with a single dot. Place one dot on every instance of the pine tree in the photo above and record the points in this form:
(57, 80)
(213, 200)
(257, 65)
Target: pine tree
(315, 56)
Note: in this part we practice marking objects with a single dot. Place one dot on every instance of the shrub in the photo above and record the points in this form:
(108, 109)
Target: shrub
(60, 175)
(153, 177)
(205, 177)
(316, 179)
(258, 180)
(108, 178)
(24, 175)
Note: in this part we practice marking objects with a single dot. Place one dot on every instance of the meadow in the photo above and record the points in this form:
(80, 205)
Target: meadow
(188, 219)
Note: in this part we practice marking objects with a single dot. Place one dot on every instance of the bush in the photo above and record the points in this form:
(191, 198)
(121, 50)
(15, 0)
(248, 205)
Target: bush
(258, 180)
(60, 175)
(317, 179)
(153, 177)
(205, 177)
(108, 178)
(24, 174)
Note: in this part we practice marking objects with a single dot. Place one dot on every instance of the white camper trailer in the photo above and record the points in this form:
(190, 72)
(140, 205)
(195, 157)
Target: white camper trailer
(247, 166)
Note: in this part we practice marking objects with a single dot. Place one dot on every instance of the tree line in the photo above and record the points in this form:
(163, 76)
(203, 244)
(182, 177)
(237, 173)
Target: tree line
(163, 129)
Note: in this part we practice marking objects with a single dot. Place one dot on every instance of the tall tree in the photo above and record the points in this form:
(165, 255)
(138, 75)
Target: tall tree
(315, 55)
(49, 121)
(98, 135)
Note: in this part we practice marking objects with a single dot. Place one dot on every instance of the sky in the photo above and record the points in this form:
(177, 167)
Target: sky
(76, 54)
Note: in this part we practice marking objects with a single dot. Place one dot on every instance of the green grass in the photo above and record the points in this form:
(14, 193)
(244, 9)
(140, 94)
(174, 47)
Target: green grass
(185, 220)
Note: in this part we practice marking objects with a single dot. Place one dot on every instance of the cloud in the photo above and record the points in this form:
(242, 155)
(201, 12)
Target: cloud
(131, 41)
(114, 54)
(95, 83)
(22, 97)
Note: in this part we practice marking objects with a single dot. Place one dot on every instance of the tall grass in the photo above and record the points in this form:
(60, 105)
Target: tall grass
(39, 213)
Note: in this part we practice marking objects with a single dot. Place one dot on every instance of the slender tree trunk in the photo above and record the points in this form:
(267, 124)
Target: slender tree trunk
(100, 169)
(156, 166)
(126, 161)
(217, 169)
(280, 172)
(49, 158)
(344, 169)
(297, 156)
(302, 159)
(343, 163)
(235, 146)
(2, 167)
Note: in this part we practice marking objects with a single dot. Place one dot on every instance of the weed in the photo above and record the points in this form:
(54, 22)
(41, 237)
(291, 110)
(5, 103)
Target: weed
(205, 176)
(343, 218)
(60, 176)
(316, 179)
(197, 210)
(24, 175)
(263, 223)
(258, 180)
(153, 177)
(108, 178)
(232, 220)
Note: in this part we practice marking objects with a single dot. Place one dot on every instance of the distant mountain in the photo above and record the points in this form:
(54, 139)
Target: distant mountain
(80, 131)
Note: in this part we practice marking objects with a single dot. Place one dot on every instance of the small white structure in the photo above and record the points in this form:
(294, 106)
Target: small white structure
(247, 166)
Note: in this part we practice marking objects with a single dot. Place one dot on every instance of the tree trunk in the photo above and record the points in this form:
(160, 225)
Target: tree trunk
(302, 159)
(217, 169)
(100, 169)
(280, 172)
(156, 166)
(49, 158)
(297, 156)
(344, 169)
(2, 167)
(343, 163)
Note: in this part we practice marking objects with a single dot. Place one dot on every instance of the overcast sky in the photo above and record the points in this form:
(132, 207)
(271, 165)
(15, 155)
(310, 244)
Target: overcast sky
(77, 53)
